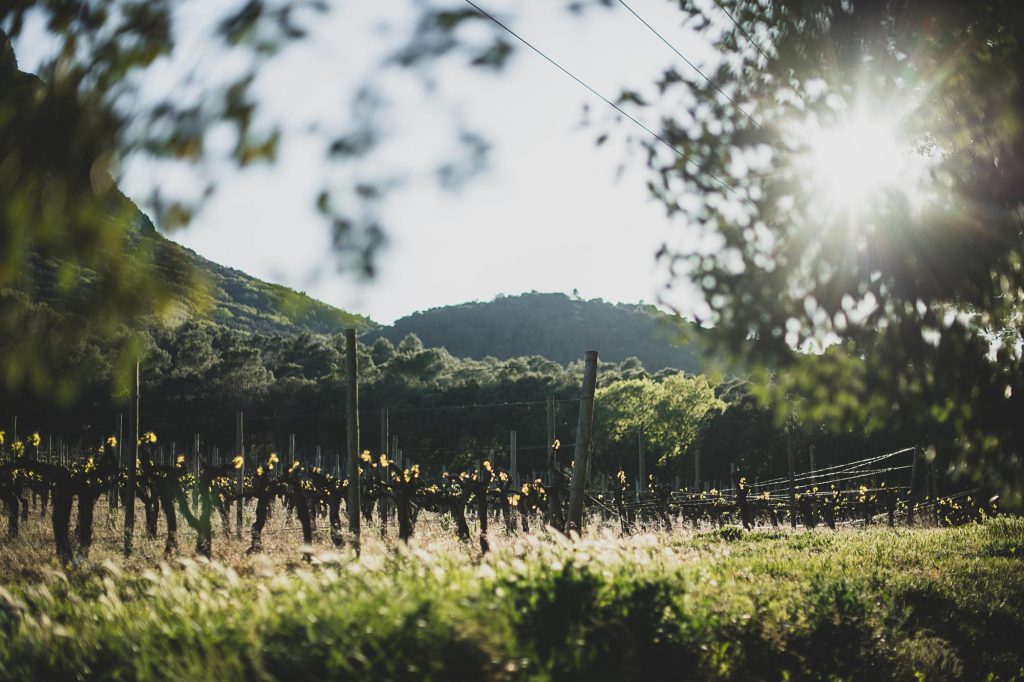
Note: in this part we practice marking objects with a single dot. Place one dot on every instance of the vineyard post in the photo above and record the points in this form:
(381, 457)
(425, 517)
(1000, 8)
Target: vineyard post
(550, 415)
(118, 460)
(317, 457)
(291, 449)
(240, 450)
(384, 424)
(935, 492)
(15, 439)
(513, 457)
(696, 470)
(732, 476)
(120, 441)
(554, 475)
(382, 502)
(813, 468)
(792, 477)
(133, 457)
(913, 483)
(584, 428)
(352, 433)
(195, 470)
(641, 478)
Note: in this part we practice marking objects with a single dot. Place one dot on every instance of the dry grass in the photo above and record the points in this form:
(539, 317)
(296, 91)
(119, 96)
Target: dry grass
(707, 604)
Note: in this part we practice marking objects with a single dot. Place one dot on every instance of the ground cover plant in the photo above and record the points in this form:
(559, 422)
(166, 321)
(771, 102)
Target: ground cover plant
(712, 603)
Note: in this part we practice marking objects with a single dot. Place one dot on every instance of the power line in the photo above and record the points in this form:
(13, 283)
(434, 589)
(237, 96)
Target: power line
(603, 98)
(742, 30)
(689, 63)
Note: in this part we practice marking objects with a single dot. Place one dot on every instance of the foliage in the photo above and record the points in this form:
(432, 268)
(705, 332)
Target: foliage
(195, 376)
(921, 280)
(670, 411)
(70, 135)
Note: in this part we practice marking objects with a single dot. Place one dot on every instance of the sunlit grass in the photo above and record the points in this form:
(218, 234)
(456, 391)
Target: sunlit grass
(708, 604)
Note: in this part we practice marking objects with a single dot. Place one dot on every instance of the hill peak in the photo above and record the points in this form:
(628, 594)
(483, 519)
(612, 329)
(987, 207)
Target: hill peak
(556, 326)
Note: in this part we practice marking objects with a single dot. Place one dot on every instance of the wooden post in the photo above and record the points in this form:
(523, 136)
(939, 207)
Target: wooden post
(317, 457)
(291, 448)
(385, 419)
(115, 492)
(552, 454)
(935, 491)
(240, 450)
(792, 478)
(813, 468)
(584, 428)
(696, 470)
(513, 459)
(912, 502)
(352, 431)
(641, 478)
(195, 470)
(555, 518)
(133, 457)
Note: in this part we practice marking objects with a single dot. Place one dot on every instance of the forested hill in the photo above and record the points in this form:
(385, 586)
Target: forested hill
(226, 296)
(221, 294)
(554, 326)
(243, 302)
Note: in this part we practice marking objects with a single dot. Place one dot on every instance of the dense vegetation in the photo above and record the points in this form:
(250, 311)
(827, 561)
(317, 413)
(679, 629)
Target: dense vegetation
(938, 604)
(444, 410)
(557, 327)
(201, 288)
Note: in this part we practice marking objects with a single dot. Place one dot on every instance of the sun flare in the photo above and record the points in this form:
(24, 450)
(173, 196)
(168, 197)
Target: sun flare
(860, 161)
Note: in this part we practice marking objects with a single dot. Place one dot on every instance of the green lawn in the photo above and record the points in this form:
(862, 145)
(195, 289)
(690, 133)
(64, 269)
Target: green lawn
(931, 604)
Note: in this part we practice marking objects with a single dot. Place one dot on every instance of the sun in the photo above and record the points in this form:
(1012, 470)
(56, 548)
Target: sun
(860, 162)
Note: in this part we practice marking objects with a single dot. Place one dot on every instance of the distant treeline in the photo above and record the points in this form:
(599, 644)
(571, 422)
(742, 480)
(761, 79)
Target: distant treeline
(444, 411)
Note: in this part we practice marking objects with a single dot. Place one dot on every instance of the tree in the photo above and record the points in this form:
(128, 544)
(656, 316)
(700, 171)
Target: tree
(905, 255)
(670, 412)
(69, 236)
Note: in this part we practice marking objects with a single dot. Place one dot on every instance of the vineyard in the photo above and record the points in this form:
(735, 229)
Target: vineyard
(249, 567)
(255, 564)
(394, 499)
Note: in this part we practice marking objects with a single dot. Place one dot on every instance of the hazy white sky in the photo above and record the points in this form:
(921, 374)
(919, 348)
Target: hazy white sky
(549, 213)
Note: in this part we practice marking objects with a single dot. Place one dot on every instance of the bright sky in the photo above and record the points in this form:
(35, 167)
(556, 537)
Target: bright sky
(549, 213)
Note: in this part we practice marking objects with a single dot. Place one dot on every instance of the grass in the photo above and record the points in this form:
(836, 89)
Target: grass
(876, 604)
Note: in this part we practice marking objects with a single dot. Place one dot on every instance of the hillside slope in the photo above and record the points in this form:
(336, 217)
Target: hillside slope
(62, 274)
(554, 326)
(221, 294)
(243, 302)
